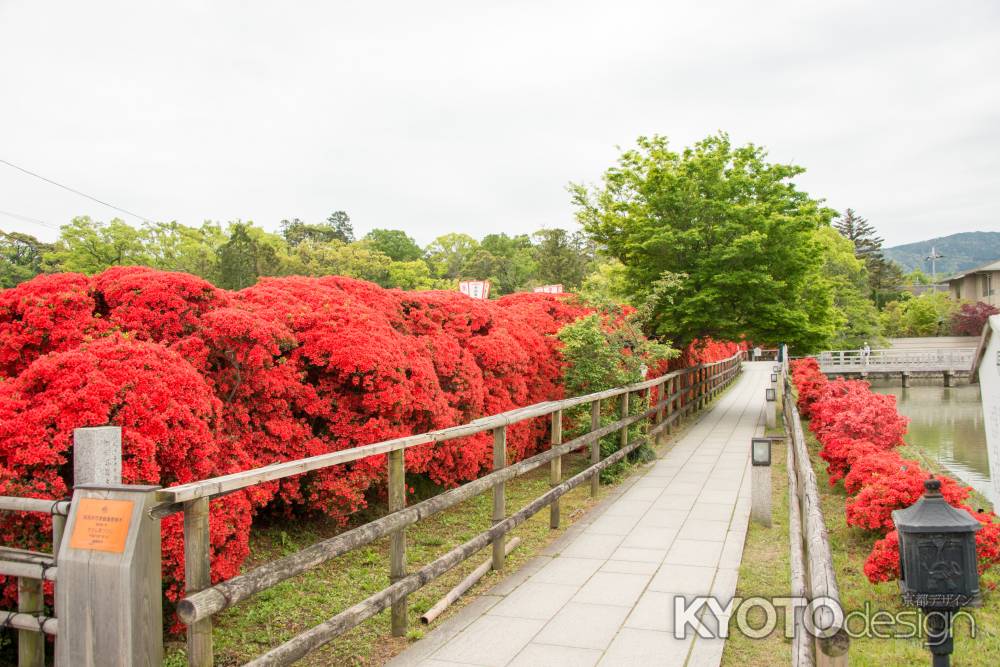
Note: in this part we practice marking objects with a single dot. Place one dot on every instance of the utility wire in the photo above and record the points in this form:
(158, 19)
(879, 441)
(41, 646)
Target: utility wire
(25, 218)
(76, 192)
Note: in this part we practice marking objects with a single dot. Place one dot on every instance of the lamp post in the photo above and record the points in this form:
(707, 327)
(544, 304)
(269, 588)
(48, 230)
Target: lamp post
(937, 564)
(760, 480)
(771, 407)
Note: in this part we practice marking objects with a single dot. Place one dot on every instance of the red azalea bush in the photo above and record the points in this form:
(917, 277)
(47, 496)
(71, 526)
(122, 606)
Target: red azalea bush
(206, 382)
(971, 318)
(858, 431)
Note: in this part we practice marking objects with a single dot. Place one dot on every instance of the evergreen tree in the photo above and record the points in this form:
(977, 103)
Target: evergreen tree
(860, 232)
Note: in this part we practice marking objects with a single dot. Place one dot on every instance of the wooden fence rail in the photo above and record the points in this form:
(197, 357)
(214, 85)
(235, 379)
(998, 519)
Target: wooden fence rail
(811, 560)
(97, 462)
(677, 394)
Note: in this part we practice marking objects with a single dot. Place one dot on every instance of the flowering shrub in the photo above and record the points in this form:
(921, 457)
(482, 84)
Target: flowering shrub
(858, 431)
(206, 382)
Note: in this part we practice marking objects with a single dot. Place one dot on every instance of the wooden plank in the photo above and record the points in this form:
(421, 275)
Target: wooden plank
(308, 641)
(464, 585)
(30, 644)
(228, 593)
(595, 446)
(221, 485)
(555, 469)
(397, 545)
(801, 640)
(197, 577)
(499, 493)
(623, 434)
(42, 505)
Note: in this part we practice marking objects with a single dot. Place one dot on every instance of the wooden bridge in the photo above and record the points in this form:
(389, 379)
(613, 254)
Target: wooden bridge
(948, 362)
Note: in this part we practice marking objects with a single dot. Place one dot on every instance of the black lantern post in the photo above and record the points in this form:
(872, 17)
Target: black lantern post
(937, 564)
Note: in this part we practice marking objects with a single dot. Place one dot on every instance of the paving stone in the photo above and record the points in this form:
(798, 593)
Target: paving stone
(669, 501)
(592, 545)
(630, 566)
(663, 518)
(534, 600)
(643, 494)
(523, 573)
(711, 511)
(654, 556)
(647, 537)
(700, 529)
(628, 508)
(549, 655)
(687, 579)
(583, 625)
(694, 552)
(685, 488)
(654, 611)
(706, 652)
(633, 647)
(568, 571)
(491, 641)
(613, 525)
(612, 588)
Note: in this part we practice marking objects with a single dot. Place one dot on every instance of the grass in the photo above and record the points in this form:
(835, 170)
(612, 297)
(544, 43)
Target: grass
(765, 572)
(280, 613)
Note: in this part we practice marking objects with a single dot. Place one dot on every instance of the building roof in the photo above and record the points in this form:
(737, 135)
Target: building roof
(992, 266)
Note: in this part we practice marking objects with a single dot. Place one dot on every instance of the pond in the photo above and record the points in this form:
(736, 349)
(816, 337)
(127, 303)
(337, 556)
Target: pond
(946, 423)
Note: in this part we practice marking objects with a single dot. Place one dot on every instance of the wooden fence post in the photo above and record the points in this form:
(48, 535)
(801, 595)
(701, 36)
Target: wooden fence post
(397, 549)
(197, 577)
(555, 469)
(661, 396)
(30, 645)
(97, 455)
(108, 596)
(623, 434)
(595, 447)
(499, 499)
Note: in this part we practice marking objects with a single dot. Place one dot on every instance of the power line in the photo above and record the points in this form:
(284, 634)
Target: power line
(76, 192)
(25, 218)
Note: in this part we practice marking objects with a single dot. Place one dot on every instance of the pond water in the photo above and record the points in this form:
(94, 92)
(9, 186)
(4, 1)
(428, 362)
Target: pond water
(946, 423)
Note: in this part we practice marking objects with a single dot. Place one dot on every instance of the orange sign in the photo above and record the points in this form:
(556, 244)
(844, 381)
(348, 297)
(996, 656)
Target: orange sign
(101, 525)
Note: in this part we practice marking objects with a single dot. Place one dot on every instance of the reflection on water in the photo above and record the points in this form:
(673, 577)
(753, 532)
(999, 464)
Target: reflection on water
(946, 423)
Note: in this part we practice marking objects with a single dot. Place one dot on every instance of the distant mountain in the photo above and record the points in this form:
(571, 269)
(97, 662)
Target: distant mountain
(961, 252)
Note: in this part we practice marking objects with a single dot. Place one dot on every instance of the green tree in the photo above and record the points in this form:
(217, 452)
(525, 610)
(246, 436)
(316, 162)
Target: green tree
(929, 314)
(88, 246)
(395, 243)
(336, 228)
(733, 231)
(562, 258)
(20, 257)
(515, 261)
(860, 232)
(856, 318)
(249, 253)
(172, 246)
(448, 254)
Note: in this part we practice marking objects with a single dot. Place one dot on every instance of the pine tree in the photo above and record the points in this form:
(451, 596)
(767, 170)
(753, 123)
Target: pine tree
(860, 232)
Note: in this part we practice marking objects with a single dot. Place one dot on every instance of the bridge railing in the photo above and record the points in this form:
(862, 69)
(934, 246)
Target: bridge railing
(676, 394)
(929, 359)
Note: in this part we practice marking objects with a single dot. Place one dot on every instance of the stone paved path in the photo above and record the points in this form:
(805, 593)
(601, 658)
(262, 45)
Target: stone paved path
(603, 593)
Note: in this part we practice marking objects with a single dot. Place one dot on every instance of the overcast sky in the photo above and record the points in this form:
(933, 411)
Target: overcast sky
(471, 116)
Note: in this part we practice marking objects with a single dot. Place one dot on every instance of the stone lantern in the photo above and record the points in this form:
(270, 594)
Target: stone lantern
(937, 563)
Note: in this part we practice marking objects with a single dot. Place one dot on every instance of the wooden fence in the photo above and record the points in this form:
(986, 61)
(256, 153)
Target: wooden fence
(668, 398)
(811, 562)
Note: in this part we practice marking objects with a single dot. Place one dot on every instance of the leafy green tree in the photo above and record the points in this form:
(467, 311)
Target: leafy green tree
(448, 254)
(336, 228)
(515, 265)
(886, 280)
(20, 257)
(733, 231)
(395, 243)
(856, 318)
(249, 253)
(601, 357)
(562, 258)
(356, 260)
(929, 314)
(88, 246)
(607, 283)
(172, 246)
